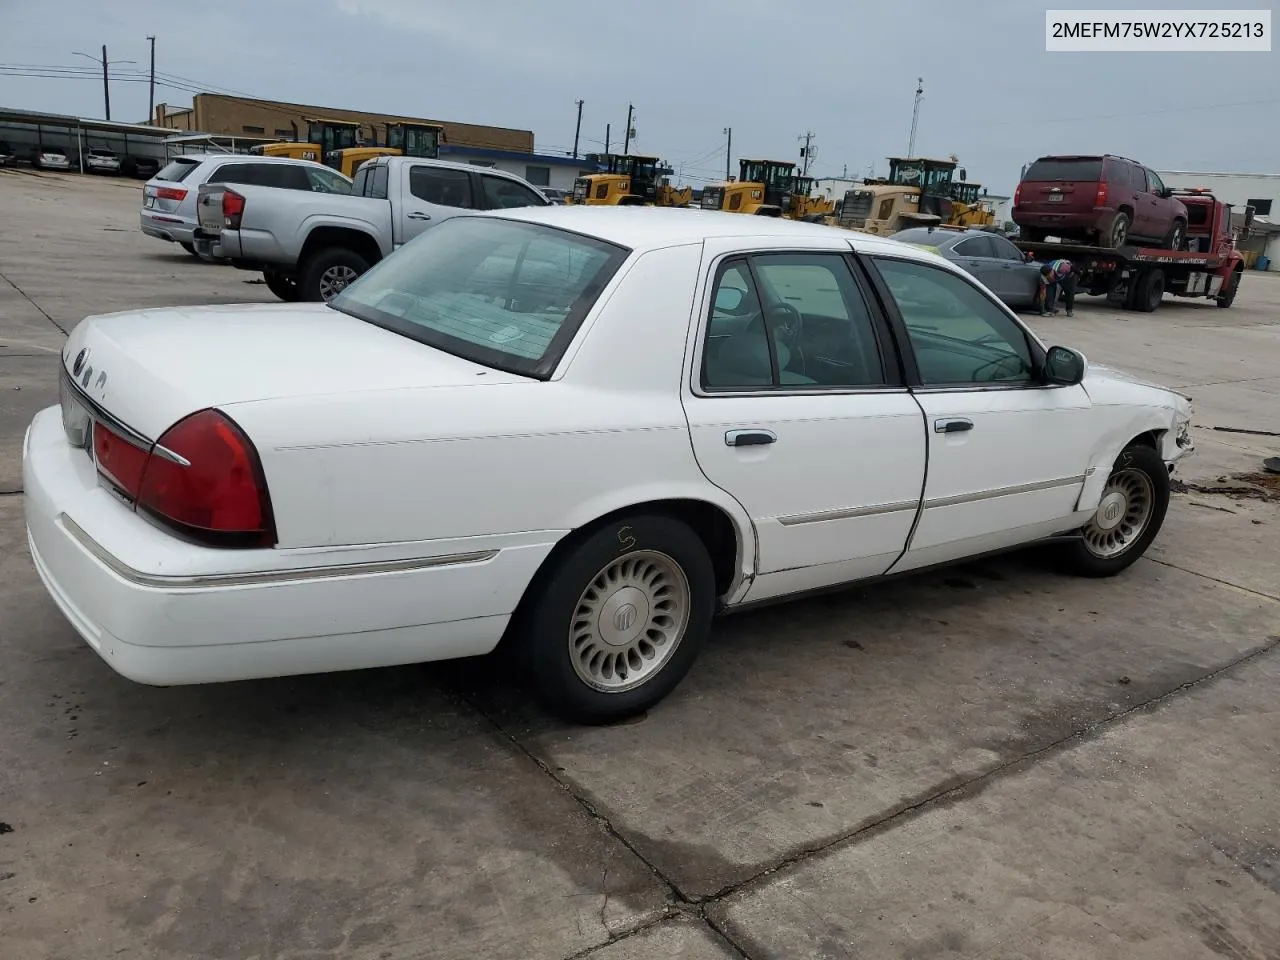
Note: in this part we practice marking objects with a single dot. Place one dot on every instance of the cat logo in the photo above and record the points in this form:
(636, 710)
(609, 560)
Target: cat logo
(755, 194)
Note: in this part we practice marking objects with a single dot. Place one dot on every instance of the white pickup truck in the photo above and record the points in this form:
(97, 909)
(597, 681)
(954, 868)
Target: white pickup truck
(310, 245)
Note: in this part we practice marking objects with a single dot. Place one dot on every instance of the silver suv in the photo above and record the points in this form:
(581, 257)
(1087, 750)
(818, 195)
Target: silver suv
(169, 198)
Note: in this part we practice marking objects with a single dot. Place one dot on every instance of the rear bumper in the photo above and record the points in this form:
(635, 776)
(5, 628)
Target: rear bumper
(166, 226)
(161, 611)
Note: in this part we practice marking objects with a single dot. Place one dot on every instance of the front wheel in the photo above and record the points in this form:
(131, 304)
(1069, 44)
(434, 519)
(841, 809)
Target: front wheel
(1129, 515)
(284, 287)
(1228, 295)
(328, 272)
(616, 624)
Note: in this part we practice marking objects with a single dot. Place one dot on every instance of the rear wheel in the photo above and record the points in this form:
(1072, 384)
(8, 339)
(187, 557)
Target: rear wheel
(189, 247)
(1129, 515)
(284, 287)
(327, 273)
(1148, 291)
(1176, 236)
(1118, 235)
(615, 625)
(1031, 234)
(1228, 295)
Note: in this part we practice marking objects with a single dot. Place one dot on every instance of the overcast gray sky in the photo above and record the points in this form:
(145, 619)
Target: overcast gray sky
(769, 69)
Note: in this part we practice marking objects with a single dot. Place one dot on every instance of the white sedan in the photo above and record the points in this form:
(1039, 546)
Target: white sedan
(584, 431)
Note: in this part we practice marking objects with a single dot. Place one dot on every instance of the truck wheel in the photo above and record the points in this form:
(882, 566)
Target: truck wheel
(284, 287)
(328, 272)
(1149, 291)
(1031, 234)
(1116, 237)
(1177, 236)
(1228, 296)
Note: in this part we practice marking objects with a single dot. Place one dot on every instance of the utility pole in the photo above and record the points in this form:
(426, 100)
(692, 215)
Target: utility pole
(728, 149)
(915, 116)
(106, 89)
(626, 143)
(606, 138)
(151, 117)
(576, 130)
(806, 150)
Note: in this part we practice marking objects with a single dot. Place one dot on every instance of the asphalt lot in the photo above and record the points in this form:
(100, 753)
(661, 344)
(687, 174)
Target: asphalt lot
(996, 761)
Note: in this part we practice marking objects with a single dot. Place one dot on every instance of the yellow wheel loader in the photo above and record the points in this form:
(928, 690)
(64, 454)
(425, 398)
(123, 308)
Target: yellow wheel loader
(763, 188)
(970, 209)
(802, 205)
(916, 193)
(323, 138)
(402, 140)
(628, 180)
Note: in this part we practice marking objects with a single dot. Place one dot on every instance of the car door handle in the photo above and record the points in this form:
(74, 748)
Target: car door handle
(419, 215)
(952, 425)
(750, 438)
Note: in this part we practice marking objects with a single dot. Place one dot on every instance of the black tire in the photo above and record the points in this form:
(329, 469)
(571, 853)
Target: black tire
(284, 287)
(1176, 236)
(1032, 234)
(547, 617)
(1080, 559)
(1233, 286)
(189, 247)
(1117, 234)
(1149, 291)
(313, 275)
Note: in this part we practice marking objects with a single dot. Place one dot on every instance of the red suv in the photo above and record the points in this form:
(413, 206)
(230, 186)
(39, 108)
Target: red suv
(1108, 200)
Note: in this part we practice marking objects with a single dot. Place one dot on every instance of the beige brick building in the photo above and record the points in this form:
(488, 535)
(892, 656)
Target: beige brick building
(240, 116)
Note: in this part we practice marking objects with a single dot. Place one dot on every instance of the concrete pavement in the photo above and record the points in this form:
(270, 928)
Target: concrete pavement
(995, 761)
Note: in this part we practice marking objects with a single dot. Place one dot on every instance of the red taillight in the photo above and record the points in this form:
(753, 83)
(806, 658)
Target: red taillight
(232, 209)
(171, 193)
(120, 461)
(1017, 195)
(219, 494)
(1100, 199)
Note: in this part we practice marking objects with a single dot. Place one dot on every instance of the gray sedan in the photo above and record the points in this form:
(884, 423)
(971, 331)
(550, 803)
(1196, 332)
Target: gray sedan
(991, 258)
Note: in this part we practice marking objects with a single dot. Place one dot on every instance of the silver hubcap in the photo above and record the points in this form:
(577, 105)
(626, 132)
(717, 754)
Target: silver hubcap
(333, 280)
(1119, 232)
(629, 621)
(1122, 515)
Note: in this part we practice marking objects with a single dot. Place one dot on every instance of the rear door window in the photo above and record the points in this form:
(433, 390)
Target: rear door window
(378, 182)
(175, 171)
(501, 193)
(1084, 169)
(974, 247)
(440, 185)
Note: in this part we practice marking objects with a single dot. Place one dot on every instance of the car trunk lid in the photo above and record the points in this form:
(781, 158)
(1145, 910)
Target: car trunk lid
(150, 368)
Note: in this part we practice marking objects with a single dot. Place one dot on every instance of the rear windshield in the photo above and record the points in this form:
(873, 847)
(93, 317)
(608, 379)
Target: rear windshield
(502, 293)
(1086, 169)
(919, 235)
(177, 170)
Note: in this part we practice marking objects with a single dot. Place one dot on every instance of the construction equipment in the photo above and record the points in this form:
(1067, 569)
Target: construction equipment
(917, 192)
(402, 139)
(627, 180)
(763, 188)
(802, 205)
(969, 208)
(323, 138)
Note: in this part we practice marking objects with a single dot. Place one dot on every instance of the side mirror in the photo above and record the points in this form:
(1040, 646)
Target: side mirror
(1064, 366)
(729, 299)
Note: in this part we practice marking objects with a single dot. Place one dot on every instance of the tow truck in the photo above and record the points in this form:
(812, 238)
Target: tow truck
(1137, 278)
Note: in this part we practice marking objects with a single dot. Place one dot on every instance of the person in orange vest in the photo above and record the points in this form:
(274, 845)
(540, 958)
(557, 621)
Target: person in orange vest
(1054, 276)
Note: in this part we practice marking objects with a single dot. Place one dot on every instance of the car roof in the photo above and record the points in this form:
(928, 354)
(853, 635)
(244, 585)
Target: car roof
(648, 228)
(241, 158)
(452, 165)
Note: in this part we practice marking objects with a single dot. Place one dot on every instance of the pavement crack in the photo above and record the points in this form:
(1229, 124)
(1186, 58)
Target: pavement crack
(1252, 433)
(22, 293)
(970, 787)
(1225, 583)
